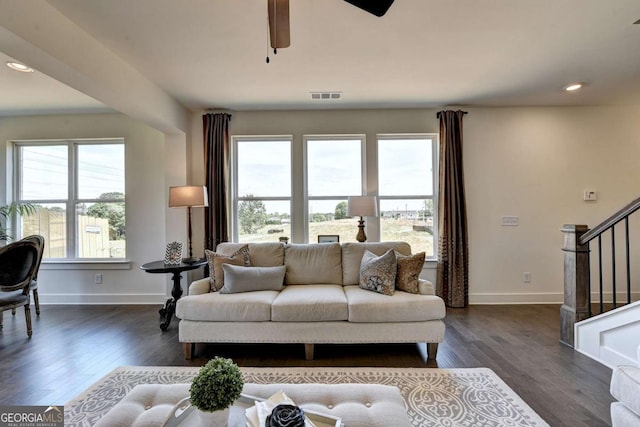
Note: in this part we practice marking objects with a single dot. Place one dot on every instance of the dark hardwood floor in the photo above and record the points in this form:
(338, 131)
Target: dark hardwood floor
(74, 346)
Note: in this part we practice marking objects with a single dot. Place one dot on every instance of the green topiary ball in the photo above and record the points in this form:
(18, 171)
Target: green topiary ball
(217, 385)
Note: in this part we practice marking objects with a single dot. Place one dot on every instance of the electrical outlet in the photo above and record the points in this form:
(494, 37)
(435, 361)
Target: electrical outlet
(98, 279)
(526, 277)
(509, 221)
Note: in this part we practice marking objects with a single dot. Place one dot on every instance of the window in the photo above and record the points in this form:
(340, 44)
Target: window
(334, 171)
(281, 189)
(78, 188)
(261, 189)
(406, 177)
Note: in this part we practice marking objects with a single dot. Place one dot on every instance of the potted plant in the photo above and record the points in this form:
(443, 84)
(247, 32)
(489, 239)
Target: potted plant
(8, 212)
(214, 389)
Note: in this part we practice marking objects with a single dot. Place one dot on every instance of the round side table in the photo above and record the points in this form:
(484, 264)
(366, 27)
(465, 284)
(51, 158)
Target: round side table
(169, 309)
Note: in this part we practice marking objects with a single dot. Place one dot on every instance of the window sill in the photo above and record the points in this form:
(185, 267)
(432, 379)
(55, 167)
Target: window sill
(74, 264)
(430, 264)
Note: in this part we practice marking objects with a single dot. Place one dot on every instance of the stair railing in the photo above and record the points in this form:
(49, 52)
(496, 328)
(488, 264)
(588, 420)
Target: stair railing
(577, 269)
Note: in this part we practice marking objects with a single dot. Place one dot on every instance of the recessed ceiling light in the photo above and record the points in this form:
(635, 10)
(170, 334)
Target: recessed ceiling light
(19, 67)
(573, 87)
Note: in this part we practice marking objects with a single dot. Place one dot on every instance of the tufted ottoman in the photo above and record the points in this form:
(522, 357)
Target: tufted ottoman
(146, 405)
(359, 405)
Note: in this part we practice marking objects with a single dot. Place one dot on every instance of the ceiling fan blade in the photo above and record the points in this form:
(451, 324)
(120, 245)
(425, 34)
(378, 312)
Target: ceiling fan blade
(376, 7)
(279, 23)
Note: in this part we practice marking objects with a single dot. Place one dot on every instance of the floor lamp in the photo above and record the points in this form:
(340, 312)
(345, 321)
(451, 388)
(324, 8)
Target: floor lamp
(190, 196)
(362, 206)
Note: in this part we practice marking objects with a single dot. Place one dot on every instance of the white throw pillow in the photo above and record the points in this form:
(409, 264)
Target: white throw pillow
(246, 279)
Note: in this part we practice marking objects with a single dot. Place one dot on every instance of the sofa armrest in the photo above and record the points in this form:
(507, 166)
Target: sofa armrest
(425, 287)
(198, 287)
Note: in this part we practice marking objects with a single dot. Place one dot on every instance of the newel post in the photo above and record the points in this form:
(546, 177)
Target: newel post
(576, 281)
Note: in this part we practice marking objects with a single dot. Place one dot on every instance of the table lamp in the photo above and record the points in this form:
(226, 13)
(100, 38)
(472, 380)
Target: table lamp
(362, 206)
(188, 196)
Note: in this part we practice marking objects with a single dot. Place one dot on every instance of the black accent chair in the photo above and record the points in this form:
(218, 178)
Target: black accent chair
(18, 263)
(33, 286)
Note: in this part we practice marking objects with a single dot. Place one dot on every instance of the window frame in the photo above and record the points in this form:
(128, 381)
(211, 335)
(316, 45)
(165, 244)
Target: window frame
(236, 199)
(299, 198)
(305, 170)
(72, 200)
(435, 156)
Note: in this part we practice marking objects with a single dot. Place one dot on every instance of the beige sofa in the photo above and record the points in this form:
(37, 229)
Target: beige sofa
(321, 302)
(625, 388)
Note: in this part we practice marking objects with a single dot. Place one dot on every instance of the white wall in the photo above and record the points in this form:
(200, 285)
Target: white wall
(530, 162)
(535, 163)
(146, 188)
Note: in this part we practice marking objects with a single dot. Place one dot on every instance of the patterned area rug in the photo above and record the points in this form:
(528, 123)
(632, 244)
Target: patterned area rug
(434, 397)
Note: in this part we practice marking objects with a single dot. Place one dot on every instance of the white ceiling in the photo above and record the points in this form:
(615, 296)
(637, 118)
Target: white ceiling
(422, 53)
(36, 93)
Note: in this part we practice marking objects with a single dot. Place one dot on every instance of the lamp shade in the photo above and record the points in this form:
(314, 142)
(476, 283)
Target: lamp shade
(362, 206)
(188, 196)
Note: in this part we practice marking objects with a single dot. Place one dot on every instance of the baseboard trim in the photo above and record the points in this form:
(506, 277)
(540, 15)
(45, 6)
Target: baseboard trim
(101, 299)
(540, 298)
(474, 299)
(512, 298)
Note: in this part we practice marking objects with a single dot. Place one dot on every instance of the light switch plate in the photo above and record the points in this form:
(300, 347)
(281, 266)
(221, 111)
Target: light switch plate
(590, 195)
(509, 221)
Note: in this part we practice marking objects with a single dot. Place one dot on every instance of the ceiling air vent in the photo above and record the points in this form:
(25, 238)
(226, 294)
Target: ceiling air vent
(326, 96)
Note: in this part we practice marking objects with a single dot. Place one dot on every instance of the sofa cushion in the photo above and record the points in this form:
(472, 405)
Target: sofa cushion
(378, 273)
(371, 307)
(216, 260)
(625, 387)
(621, 416)
(318, 303)
(217, 307)
(267, 254)
(313, 263)
(352, 255)
(409, 269)
(248, 279)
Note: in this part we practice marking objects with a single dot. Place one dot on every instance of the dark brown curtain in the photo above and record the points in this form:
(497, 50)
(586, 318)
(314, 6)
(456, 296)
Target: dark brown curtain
(453, 242)
(216, 154)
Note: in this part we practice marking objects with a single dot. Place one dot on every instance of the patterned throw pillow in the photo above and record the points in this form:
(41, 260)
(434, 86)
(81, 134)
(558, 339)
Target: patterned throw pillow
(378, 273)
(409, 269)
(215, 260)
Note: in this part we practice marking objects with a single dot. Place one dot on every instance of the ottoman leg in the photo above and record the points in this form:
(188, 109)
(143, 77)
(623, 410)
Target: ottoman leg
(308, 351)
(432, 350)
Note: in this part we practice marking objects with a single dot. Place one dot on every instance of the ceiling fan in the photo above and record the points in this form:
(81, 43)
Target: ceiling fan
(279, 35)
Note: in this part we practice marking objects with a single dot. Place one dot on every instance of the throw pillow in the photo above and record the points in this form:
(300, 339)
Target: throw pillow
(378, 273)
(247, 279)
(216, 260)
(409, 269)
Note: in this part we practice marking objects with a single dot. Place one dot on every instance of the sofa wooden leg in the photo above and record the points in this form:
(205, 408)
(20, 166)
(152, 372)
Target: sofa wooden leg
(308, 351)
(432, 350)
(189, 349)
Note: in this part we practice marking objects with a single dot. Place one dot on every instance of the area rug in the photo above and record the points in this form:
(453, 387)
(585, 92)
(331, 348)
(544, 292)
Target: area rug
(434, 397)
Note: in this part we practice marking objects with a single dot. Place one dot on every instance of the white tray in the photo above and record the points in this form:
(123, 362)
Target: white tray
(185, 415)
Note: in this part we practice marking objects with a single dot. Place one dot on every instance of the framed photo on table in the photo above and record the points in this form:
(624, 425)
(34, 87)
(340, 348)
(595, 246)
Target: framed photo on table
(328, 238)
(173, 254)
